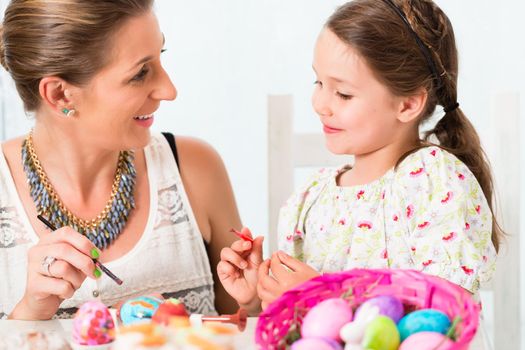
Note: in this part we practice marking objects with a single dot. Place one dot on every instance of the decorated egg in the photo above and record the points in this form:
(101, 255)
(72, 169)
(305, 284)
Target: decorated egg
(139, 309)
(388, 306)
(427, 341)
(352, 333)
(169, 308)
(381, 334)
(430, 320)
(326, 319)
(316, 344)
(93, 324)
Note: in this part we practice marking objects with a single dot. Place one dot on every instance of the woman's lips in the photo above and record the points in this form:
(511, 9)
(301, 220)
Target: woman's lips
(145, 121)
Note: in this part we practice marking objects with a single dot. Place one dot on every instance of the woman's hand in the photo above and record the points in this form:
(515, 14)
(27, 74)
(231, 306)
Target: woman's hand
(49, 284)
(286, 273)
(238, 268)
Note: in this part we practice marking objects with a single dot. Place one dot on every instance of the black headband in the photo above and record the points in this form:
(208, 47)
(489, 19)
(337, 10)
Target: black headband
(424, 49)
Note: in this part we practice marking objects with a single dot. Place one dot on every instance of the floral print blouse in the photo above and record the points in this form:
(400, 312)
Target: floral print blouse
(428, 214)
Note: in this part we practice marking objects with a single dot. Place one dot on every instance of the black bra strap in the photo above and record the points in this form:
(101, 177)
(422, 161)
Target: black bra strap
(171, 140)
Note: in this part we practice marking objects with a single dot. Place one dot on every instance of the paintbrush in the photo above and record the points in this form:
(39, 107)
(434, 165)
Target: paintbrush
(97, 263)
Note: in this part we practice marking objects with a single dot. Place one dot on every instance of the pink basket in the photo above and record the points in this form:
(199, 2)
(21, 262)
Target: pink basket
(415, 289)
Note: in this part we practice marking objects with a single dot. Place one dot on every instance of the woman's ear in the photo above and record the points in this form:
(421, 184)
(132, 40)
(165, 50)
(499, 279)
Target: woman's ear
(411, 107)
(56, 93)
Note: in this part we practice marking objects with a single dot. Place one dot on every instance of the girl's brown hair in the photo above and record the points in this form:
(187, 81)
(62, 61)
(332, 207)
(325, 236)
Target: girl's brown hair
(70, 39)
(377, 31)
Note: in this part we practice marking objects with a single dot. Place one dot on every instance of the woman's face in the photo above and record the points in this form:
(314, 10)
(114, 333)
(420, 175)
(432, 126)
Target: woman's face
(358, 112)
(116, 107)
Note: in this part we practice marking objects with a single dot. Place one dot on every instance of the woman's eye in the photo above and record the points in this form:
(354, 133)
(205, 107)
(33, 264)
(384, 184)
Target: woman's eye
(318, 82)
(344, 96)
(141, 75)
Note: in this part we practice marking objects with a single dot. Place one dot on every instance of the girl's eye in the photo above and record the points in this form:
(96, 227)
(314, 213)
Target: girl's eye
(140, 75)
(344, 96)
(318, 82)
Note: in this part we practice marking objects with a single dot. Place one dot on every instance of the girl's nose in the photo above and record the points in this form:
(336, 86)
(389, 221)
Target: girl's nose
(320, 103)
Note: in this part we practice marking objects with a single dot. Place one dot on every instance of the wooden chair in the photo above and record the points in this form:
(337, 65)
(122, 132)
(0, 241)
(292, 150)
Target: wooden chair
(287, 151)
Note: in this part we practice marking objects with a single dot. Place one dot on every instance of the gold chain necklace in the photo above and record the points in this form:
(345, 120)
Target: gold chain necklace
(112, 218)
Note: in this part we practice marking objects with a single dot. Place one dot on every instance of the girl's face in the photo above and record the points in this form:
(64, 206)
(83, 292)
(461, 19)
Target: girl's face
(358, 113)
(116, 107)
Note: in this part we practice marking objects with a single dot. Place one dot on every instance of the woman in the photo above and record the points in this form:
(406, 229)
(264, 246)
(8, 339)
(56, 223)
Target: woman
(91, 73)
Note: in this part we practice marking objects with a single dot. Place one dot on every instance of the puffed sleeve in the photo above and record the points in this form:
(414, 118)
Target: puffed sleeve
(292, 214)
(447, 220)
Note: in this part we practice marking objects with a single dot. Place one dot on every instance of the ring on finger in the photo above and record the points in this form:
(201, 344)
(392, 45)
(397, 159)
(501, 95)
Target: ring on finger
(46, 264)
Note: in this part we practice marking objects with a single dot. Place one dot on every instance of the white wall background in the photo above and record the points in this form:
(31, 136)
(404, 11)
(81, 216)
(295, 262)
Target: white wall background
(226, 56)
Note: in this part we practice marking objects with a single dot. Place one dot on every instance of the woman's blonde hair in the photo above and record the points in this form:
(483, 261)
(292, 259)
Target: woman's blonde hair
(70, 39)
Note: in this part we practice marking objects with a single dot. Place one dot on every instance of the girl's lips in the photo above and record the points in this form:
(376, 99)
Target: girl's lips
(329, 130)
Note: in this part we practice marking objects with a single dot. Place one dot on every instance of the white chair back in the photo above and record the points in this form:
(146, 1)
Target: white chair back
(286, 151)
(505, 154)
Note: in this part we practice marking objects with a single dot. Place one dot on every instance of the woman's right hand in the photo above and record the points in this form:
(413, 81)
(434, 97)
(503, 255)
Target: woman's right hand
(238, 270)
(45, 292)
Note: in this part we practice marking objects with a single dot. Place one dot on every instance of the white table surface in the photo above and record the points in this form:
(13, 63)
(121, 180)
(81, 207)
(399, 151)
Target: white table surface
(243, 341)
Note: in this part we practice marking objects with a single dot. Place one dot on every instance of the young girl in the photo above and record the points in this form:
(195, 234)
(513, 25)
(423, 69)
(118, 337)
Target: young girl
(382, 67)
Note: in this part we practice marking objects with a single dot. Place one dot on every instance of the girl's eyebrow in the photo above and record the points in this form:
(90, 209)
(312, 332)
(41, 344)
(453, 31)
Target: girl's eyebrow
(336, 79)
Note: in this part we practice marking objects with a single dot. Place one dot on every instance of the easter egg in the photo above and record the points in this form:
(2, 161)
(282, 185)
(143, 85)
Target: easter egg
(427, 341)
(170, 308)
(388, 306)
(430, 320)
(326, 319)
(93, 324)
(139, 309)
(381, 334)
(353, 332)
(316, 344)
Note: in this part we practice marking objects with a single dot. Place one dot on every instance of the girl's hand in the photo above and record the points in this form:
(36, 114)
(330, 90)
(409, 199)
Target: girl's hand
(286, 273)
(238, 268)
(46, 288)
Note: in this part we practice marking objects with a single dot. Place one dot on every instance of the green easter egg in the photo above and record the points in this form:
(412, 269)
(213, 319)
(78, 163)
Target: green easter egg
(381, 334)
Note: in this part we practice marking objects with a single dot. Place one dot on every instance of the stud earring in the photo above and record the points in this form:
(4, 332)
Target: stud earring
(68, 112)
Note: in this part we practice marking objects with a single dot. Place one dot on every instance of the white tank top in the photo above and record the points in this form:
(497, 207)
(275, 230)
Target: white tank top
(169, 258)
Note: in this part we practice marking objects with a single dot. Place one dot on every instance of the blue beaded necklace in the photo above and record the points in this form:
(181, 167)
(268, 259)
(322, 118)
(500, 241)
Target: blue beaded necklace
(103, 229)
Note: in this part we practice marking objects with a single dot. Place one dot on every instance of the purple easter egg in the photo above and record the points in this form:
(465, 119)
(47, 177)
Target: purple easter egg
(326, 319)
(316, 344)
(388, 305)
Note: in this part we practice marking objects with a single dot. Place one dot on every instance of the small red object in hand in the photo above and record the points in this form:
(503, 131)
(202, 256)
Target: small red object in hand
(242, 235)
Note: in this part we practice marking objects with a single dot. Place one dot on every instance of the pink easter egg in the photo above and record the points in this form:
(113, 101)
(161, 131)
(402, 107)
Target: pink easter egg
(93, 324)
(326, 319)
(316, 344)
(427, 341)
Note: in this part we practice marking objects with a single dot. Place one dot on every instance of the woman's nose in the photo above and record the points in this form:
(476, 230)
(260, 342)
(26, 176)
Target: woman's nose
(165, 89)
